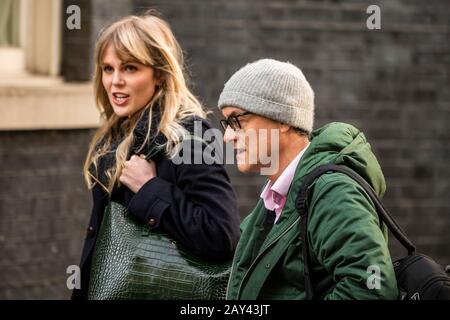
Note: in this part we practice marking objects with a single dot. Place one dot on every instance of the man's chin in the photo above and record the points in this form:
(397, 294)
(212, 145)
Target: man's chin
(246, 168)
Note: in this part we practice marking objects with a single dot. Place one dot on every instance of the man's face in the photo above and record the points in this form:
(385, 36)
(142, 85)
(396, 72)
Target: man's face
(254, 141)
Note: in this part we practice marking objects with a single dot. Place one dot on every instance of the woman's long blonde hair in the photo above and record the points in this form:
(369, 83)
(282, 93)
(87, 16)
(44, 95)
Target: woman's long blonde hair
(148, 40)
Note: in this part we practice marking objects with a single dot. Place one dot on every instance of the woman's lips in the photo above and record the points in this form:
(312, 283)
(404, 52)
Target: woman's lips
(120, 99)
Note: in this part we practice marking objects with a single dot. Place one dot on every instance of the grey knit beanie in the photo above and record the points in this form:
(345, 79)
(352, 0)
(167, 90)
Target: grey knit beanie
(273, 89)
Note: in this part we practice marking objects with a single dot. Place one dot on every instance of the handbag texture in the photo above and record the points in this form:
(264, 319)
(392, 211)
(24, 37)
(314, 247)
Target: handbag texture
(133, 262)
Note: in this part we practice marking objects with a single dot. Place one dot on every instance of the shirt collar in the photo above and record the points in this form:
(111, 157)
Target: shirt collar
(282, 184)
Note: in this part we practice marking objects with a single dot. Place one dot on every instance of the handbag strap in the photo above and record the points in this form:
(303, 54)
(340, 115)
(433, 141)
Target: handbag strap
(302, 209)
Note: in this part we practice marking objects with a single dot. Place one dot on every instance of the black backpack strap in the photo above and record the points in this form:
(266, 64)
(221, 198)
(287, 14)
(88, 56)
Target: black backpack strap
(302, 209)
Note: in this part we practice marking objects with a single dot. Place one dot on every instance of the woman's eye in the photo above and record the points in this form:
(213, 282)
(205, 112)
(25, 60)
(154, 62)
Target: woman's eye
(107, 69)
(130, 68)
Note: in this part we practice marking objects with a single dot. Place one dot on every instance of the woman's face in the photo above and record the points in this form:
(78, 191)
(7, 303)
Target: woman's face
(130, 85)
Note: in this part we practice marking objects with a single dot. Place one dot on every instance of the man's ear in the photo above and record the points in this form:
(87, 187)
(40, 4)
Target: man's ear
(284, 127)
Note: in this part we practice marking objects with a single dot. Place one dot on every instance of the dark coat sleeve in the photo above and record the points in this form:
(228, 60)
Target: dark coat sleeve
(199, 209)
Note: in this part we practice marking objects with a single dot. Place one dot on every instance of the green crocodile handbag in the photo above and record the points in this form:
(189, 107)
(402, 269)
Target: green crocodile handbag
(132, 262)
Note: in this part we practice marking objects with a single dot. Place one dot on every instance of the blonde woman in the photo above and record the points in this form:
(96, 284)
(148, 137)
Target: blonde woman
(146, 104)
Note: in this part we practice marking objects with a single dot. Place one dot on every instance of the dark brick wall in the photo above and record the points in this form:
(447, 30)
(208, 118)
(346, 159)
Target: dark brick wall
(44, 209)
(391, 83)
(77, 44)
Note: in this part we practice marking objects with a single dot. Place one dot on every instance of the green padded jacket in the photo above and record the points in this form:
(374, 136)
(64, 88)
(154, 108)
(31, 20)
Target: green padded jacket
(347, 246)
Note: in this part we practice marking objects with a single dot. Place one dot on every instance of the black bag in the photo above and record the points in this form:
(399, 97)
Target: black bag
(418, 276)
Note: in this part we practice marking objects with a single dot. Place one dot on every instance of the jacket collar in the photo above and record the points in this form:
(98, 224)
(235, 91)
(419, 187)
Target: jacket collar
(150, 148)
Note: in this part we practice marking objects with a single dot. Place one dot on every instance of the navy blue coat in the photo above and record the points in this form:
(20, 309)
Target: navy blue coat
(194, 203)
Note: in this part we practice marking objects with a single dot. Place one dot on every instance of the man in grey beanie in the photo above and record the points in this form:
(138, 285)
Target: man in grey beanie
(345, 240)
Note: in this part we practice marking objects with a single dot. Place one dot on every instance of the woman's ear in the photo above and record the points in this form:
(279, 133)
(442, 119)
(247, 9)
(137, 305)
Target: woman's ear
(160, 82)
(159, 77)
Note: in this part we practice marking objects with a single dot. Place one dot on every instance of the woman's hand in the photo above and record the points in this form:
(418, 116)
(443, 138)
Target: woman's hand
(137, 171)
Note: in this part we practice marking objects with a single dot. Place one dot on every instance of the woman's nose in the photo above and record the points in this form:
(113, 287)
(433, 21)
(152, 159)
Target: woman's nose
(117, 79)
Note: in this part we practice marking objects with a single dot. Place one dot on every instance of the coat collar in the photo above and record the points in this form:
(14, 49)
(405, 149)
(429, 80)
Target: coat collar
(151, 148)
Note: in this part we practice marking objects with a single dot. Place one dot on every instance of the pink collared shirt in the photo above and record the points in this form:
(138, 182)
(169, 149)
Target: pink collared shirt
(274, 194)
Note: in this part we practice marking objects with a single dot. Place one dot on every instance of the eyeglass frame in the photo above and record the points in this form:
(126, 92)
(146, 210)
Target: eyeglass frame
(226, 122)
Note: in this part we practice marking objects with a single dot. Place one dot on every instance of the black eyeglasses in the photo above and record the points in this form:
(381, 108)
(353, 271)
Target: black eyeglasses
(233, 121)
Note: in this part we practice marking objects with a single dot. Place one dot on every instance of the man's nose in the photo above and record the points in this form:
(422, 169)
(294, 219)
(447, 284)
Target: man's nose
(229, 135)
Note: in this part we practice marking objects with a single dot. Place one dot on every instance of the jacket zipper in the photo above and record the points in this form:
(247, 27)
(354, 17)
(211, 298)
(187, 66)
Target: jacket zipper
(257, 257)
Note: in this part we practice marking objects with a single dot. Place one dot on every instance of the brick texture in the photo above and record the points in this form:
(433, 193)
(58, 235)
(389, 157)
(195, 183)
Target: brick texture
(77, 44)
(44, 209)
